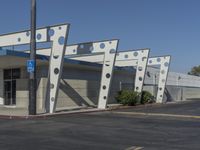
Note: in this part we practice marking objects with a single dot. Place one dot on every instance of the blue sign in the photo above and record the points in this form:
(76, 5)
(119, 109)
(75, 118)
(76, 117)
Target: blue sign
(30, 65)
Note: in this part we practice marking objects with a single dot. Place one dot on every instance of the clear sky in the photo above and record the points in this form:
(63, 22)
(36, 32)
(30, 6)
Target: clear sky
(166, 26)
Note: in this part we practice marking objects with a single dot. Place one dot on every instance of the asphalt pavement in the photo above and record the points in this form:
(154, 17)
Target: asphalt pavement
(137, 128)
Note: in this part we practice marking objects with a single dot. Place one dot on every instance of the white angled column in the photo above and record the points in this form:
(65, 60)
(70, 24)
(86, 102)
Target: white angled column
(58, 36)
(136, 58)
(107, 73)
(164, 62)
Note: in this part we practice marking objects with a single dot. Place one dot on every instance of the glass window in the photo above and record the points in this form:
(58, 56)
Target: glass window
(7, 74)
(11, 74)
(15, 73)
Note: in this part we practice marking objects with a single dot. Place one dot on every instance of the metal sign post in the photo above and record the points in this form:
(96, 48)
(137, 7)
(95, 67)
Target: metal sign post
(31, 64)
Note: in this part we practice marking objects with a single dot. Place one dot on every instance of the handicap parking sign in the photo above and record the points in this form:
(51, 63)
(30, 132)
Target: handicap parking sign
(30, 66)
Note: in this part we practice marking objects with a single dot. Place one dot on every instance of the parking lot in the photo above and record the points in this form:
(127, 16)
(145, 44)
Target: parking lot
(152, 127)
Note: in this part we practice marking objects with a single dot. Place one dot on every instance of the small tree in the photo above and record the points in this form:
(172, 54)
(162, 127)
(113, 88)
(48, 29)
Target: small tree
(195, 71)
(128, 97)
(147, 97)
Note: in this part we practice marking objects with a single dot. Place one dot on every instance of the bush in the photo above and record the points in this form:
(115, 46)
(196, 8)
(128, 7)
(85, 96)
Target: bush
(147, 97)
(128, 97)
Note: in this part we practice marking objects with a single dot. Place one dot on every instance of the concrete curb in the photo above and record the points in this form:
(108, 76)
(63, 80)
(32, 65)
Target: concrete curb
(90, 110)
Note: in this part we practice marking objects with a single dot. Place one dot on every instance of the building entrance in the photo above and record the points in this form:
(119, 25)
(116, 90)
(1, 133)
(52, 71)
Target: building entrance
(10, 76)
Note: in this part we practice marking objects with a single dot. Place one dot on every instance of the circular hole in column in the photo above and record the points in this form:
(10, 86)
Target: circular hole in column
(104, 87)
(104, 97)
(102, 45)
(74, 50)
(126, 56)
(140, 68)
(19, 39)
(108, 75)
(51, 32)
(166, 64)
(135, 54)
(52, 99)
(56, 70)
(52, 86)
(143, 58)
(137, 88)
(61, 40)
(158, 59)
(140, 78)
(110, 42)
(27, 33)
(55, 56)
(112, 51)
(160, 89)
(59, 28)
(160, 95)
(39, 36)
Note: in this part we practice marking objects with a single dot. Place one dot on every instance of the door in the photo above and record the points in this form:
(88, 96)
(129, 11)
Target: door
(7, 92)
(10, 76)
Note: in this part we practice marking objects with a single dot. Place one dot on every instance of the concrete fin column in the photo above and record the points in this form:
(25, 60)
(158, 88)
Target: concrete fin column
(58, 36)
(136, 58)
(164, 62)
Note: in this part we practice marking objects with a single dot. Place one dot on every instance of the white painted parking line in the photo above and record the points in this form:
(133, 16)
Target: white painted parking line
(134, 148)
(159, 114)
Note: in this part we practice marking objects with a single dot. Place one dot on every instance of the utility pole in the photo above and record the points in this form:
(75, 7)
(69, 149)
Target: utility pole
(32, 61)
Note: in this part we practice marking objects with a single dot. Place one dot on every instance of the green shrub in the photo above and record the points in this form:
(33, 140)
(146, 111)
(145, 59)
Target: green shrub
(128, 97)
(146, 97)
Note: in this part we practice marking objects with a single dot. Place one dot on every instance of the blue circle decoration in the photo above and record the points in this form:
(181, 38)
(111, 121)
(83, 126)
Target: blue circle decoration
(51, 32)
(39, 36)
(102, 45)
(158, 59)
(166, 64)
(135, 54)
(61, 40)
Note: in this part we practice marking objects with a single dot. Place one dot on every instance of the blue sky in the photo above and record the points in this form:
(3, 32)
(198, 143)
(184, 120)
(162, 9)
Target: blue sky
(166, 26)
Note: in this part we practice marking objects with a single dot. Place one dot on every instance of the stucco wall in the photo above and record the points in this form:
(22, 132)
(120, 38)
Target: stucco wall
(79, 87)
(22, 94)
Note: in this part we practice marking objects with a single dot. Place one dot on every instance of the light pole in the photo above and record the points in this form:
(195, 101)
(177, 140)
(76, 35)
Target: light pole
(32, 74)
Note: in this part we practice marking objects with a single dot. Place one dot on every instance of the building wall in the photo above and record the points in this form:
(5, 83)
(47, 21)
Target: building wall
(179, 86)
(22, 94)
(79, 87)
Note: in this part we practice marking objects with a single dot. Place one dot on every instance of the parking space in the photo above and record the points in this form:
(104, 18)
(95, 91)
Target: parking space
(111, 130)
